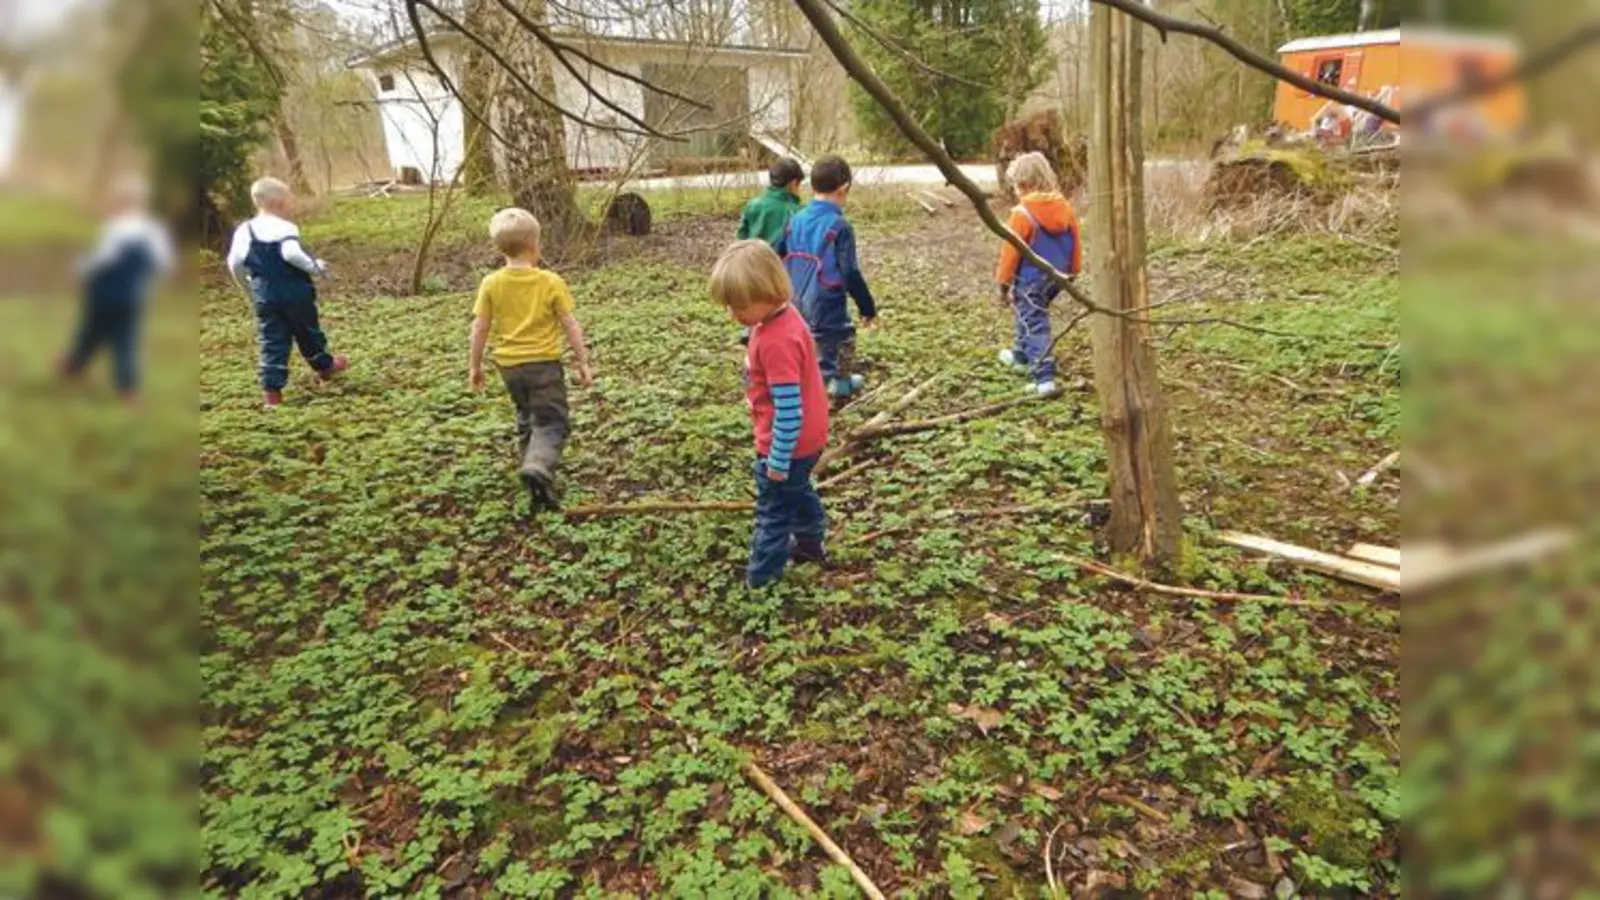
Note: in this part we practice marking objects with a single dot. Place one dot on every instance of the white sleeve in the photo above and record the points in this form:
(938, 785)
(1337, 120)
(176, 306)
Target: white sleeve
(237, 254)
(295, 255)
(160, 243)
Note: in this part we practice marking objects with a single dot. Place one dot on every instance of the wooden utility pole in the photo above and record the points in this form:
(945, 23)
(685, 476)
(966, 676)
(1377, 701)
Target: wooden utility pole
(1146, 519)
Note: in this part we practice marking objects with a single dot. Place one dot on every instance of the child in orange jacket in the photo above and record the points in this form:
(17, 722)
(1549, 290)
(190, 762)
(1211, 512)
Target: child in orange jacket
(1046, 221)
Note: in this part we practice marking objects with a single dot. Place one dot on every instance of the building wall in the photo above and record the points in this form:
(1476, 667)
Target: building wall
(416, 99)
(423, 125)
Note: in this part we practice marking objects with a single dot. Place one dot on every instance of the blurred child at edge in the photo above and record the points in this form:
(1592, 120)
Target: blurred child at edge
(788, 409)
(1046, 222)
(528, 310)
(271, 264)
(133, 249)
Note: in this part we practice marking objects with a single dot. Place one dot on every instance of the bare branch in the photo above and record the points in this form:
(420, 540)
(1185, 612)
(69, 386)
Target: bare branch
(444, 79)
(518, 77)
(895, 47)
(560, 48)
(1164, 23)
(1530, 68)
(862, 74)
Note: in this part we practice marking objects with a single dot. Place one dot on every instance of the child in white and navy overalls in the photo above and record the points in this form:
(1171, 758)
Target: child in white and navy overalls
(134, 249)
(268, 260)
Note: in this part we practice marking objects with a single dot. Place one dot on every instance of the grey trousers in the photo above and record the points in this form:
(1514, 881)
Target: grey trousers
(539, 391)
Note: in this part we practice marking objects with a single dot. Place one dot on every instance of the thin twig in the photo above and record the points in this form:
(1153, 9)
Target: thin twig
(851, 472)
(835, 853)
(644, 509)
(1144, 584)
(1145, 809)
(848, 445)
(894, 47)
(1164, 23)
(1530, 68)
(883, 431)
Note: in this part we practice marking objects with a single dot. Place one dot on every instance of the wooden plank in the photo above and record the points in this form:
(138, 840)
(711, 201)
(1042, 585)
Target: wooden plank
(1369, 574)
(1439, 565)
(1383, 556)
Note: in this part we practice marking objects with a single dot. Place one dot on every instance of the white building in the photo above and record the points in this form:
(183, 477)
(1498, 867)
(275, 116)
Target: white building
(749, 90)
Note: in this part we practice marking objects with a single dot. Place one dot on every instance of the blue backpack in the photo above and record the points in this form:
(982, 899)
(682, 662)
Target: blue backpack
(811, 274)
(1055, 248)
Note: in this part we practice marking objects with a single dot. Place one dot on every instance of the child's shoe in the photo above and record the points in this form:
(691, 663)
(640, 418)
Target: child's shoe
(1041, 387)
(271, 399)
(540, 491)
(845, 387)
(1013, 359)
(339, 364)
(808, 550)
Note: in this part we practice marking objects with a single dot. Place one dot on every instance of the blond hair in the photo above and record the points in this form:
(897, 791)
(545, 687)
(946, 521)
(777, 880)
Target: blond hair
(269, 191)
(514, 231)
(749, 272)
(1031, 172)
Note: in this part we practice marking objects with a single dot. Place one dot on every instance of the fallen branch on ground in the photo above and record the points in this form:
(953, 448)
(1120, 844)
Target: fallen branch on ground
(1381, 577)
(881, 431)
(851, 472)
(1433, 565)
(1384, 465)
(848, 444)
(1143, 584)
(835, 853)
(635, 509)
(1134, 803)
(1383, 556)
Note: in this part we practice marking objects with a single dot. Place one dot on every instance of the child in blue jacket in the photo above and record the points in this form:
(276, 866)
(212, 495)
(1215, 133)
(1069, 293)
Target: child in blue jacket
(820, 257)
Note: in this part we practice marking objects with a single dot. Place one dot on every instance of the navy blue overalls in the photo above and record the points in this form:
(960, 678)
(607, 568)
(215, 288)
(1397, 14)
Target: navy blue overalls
(113, 302)
(1032, 294)
(285, 301)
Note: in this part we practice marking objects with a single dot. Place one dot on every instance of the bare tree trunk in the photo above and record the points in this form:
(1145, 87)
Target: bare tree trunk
(1146, 519)
(536, 158)
(1369, 8)
(290, 142)
(477, 87)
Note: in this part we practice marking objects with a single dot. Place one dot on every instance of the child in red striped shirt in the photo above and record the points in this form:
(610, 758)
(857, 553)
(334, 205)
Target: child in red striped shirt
(788, 409)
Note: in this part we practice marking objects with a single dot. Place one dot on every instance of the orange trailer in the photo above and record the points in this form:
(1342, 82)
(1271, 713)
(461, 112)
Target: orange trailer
(1428, 63)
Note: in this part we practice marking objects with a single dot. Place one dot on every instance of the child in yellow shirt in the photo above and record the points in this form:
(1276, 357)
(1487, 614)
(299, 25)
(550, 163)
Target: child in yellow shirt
(528, 309)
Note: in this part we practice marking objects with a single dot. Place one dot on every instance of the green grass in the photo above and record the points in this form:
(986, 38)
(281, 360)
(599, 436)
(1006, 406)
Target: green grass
(396, 222)
(34, 220)
(407, 685)
(98, 576)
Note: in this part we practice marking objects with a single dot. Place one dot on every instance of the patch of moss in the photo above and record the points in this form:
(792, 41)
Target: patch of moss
(985, 853)
(1325, 817)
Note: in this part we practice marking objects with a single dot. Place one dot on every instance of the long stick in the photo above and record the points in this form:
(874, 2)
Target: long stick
(640, 509)
(1381, 577)
(851, 472)
(977, 412)
(833, 453)
(1174, 591)
(770, 787)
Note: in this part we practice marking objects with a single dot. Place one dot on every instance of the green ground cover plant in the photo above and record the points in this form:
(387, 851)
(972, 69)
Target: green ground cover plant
(411, 689)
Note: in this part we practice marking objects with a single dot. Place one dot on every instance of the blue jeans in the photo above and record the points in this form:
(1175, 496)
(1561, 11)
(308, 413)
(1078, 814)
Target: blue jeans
(786, 511)
(836, 354)
(281, 323)
(1031, 309)
(112, 321)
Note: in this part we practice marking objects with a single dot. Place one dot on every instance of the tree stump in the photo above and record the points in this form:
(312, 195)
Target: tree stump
(628, 213)
(1041, 133)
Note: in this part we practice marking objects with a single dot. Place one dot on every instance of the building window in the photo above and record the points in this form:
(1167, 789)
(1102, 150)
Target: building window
(386, 82)
(1330, 70)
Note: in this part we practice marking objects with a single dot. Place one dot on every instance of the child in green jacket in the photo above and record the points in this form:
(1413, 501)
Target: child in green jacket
(766, 216)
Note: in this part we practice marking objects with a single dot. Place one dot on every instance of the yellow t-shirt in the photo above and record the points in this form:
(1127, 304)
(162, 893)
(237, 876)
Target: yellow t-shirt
(524, 306)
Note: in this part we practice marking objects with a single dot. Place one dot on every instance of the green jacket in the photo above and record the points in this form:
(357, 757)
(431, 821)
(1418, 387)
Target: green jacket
(766, 216)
